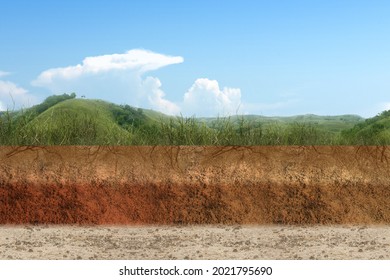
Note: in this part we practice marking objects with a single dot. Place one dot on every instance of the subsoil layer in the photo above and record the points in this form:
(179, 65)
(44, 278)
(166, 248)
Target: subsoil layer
(173, 185)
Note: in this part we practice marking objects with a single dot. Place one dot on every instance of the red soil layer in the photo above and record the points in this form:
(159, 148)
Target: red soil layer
(194, 185)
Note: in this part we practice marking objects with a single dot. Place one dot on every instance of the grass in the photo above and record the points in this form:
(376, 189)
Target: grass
(70, 121)
(373, 131)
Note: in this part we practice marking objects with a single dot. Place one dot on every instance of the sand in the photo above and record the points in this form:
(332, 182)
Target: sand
(195, 242)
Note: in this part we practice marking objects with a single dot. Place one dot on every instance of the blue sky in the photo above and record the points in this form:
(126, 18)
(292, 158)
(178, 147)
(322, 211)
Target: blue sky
(202, 58)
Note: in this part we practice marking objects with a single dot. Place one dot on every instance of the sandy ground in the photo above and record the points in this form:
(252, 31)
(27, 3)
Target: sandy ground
(195, 242)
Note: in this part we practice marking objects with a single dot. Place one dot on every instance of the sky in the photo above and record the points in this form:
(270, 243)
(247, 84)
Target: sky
(200, 58)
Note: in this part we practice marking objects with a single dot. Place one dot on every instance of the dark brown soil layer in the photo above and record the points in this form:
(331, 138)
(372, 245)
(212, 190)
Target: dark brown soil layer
(194, 185)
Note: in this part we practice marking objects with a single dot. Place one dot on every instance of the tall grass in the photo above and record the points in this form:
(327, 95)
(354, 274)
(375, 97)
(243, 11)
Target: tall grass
(81, 128)
(225, 131)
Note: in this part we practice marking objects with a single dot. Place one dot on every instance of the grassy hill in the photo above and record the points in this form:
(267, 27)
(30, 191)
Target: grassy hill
(66, 120)
(71, 122)
(76, 121)
(373, 131)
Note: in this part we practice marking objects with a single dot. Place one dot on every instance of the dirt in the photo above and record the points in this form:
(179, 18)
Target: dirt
(232, 185)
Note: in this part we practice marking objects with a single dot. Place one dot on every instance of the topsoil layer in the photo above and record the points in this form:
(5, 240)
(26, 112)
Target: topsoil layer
(195, 185)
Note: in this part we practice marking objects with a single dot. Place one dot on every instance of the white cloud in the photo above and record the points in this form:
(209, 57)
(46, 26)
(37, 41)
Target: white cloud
(14, 97)
(139, 61)
(119, 78)
(205, 98)
(152, 88)
(116, 77)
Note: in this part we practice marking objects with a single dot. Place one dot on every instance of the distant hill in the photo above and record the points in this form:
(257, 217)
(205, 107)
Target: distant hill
(67, 120)
(328, 123)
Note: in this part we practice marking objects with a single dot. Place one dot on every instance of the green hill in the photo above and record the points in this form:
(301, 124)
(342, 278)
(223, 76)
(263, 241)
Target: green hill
(373, 131)
(71, 122)
(76, 121)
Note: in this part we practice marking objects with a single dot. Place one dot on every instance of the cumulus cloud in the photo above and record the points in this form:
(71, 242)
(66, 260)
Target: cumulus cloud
(139, 61)
(206, 98)
(115, 77)
(120, 78)
(155, 95)
(14, 97)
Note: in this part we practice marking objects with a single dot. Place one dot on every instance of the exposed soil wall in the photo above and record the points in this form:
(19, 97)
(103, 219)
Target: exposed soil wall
(194, 185)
